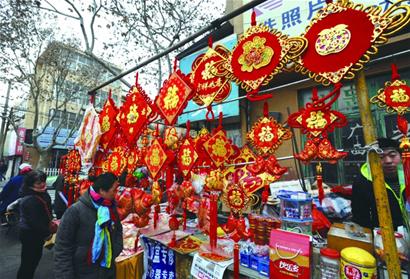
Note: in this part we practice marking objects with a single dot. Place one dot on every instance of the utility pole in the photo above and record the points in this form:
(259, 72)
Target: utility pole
(3, 121)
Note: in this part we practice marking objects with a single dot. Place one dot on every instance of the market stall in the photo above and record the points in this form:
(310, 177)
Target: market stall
(192, 203)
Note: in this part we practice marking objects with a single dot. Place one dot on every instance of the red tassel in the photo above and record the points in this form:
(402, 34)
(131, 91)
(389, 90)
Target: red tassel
(236, 261)
(406, 169)
(319, 180)
(213, 220)
(395, 73)
(175, 64)
(253, 18)
(265, 194)
(92, 99)
(156, 215)
(136, 78)
(265, 109)
(170, 177)
(210, 41)
(210, 114)
(188, 129)
(402, 124)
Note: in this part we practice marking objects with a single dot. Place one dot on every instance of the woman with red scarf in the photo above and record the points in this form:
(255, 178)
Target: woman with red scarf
(35, 217)
(89, 237)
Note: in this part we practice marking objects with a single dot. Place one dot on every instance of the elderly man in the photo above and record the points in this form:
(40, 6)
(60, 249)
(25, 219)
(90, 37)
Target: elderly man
(363, 200)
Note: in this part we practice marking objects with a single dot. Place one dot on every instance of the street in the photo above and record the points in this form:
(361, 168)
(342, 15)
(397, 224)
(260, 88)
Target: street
(10, 250)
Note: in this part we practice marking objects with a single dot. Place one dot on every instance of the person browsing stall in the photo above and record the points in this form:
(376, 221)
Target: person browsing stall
(89, 237)
(34, 225)
(363, 201)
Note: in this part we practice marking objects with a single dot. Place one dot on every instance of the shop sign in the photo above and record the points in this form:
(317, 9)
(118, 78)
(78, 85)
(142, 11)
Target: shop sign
(159, 260)
(21, 134)
(292, 17)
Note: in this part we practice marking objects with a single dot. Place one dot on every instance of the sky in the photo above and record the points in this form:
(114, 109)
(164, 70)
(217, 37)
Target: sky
(71, 28)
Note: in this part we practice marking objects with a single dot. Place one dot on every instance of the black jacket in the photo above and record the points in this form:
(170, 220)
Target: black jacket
(59, 204)
(74, 239)
(364, 204)
(33, 215)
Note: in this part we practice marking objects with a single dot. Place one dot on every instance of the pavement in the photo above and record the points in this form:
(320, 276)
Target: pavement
(10, 251)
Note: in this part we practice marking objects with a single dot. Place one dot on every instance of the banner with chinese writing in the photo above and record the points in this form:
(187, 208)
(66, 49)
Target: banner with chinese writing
(292, 17)
(159, 260)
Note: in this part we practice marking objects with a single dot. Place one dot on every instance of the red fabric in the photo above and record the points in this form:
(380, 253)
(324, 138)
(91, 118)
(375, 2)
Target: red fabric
(402, 124)
(173, 97)
(135, 113)
(361, 29)
(320, 221)
(207, 87)
(108, 123)
(271, 41)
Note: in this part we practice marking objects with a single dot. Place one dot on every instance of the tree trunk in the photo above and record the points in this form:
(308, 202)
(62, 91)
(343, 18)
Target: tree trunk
(45, 159)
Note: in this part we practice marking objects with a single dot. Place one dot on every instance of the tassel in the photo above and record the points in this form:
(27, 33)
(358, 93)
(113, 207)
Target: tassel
(253, 18)
(265, 194)
(170, 177)
(394, 72)
(319, 180)
(136, 78)
(402, 124)
(210, 114)
(184, 216)
(213, 220)
(236, 261)
(210, 41)
(156, 216)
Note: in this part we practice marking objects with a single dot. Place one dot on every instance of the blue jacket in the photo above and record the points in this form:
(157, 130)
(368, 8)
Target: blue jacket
(10, 192)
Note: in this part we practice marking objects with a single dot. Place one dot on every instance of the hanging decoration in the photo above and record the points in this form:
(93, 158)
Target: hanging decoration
(319, 180)
(395, 96)
(342, 37)
(89, 136)
(402, 124)
(204, 163)
(116, 162)
(173, 96)
(71, 171)
(133, 160)
(136, 112)
(267, 134)
(155, 158)
(187, 154)
(316, 120)
(208, 87)
(260, 54)
(108, 122)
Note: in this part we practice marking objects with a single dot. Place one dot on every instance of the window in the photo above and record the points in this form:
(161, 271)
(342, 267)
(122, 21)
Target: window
(65, 120)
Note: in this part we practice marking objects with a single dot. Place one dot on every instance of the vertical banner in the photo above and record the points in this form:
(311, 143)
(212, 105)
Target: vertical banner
(159, 260)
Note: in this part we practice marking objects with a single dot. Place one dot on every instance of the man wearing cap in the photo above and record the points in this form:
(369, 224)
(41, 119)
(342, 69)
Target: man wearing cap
(11, 190)
(363, 200)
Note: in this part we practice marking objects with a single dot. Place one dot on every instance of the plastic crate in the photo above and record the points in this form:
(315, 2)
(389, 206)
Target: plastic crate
(295, 206)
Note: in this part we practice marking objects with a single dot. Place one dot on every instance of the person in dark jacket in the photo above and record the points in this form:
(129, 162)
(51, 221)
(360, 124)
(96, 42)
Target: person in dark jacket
(35, 217)
(363, 201)
(11, 191)
(59, 204)
(89, 237)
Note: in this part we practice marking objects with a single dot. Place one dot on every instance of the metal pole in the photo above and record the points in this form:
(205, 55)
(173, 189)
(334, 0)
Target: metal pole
(214, 24)
(379, 188)
(3, 121)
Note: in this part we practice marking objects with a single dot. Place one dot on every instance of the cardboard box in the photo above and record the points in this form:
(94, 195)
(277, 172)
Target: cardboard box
(290, 255)
(338, 238)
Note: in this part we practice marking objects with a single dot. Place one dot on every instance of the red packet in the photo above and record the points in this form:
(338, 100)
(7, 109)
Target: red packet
(290, 255)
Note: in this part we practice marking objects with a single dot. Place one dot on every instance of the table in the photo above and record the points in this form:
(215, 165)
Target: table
(131, 267)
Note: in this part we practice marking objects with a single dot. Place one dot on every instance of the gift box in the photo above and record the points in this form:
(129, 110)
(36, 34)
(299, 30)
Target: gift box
(263, 267)
(245, 259)
(290, 255)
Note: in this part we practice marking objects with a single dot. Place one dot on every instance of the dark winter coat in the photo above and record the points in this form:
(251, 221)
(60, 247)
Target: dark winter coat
(364, 204)
(59, 204)
(33, 215)
(74, 239)
(10, 192)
